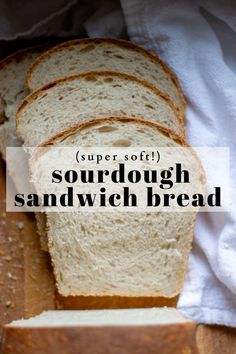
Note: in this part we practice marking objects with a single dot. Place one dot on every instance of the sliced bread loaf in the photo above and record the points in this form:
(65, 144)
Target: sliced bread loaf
(75, 99)
(156, 330)
(125, 254)
(105, 54)
(12, 91)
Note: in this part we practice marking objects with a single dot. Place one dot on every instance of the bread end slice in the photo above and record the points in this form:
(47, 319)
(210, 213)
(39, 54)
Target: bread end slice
(135, 331)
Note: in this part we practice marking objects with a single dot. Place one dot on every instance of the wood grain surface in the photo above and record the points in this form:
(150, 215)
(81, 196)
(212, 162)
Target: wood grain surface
(26, 280)
(22, 294)
(216, 340)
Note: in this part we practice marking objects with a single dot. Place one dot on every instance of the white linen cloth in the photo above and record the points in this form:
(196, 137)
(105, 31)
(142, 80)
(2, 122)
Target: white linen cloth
(197, 39)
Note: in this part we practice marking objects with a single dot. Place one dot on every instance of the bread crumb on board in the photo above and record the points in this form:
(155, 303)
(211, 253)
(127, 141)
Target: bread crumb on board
(20, 225)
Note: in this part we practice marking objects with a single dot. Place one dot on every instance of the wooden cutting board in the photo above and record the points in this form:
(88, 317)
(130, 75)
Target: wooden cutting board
(26, 280)
(27, 285)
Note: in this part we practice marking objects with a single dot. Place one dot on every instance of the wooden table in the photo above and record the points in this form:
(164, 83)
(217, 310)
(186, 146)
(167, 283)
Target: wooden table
(216, 340)
(210, 339)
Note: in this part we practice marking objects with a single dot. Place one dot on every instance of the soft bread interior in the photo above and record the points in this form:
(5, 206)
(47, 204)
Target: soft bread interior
(93, 95)
(134, 317)
(120, 56)
(123, 254)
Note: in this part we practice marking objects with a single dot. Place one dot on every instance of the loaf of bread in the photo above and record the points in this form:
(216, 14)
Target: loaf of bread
(92, 95)
(130, 254)
(150, 331)
(102, 260)
(122, 56)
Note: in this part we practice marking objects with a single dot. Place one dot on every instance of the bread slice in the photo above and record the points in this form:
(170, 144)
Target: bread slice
(53, 108)
(82, 55)
(125, 254)
(12, 91)
(149, 331)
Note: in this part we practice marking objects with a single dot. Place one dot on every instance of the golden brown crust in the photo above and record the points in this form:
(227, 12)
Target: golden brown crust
(2, 117)
(111, 302)
(118, 42)
(93, 74)
(21, 55)
(149, 339)
(124, 119)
